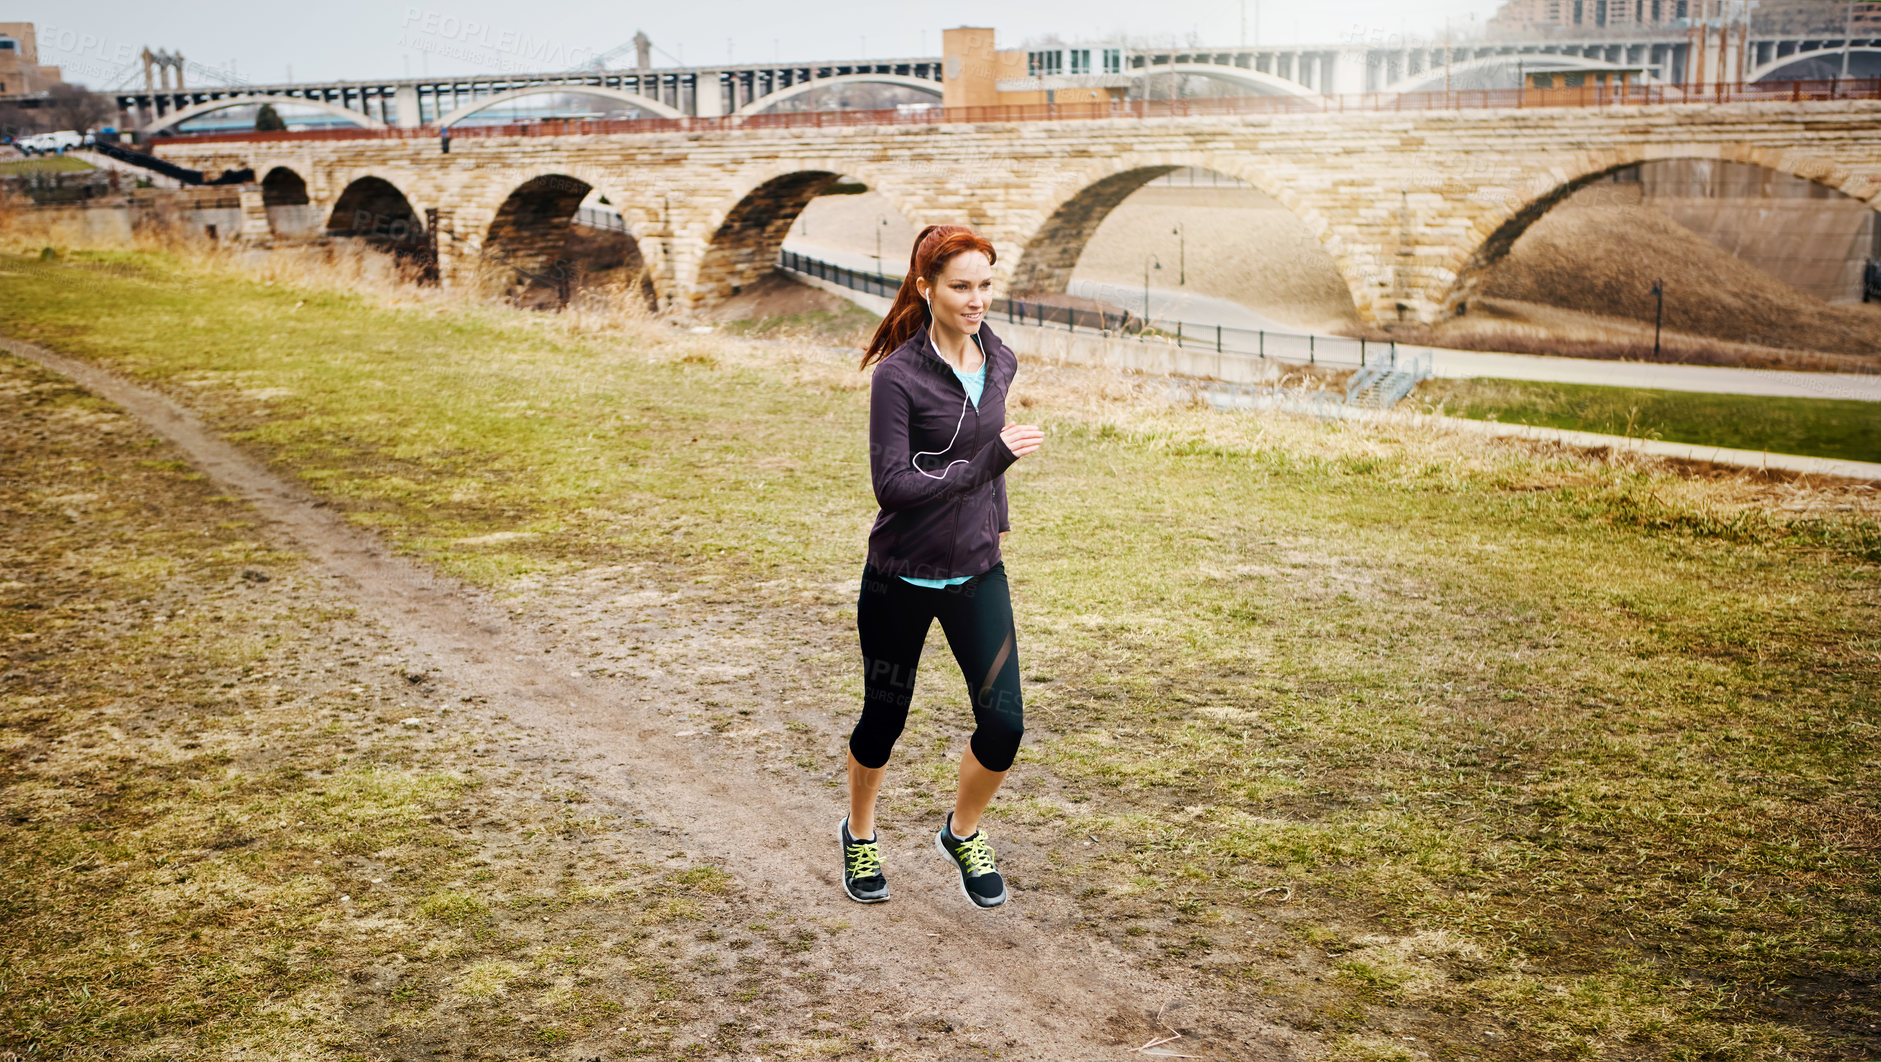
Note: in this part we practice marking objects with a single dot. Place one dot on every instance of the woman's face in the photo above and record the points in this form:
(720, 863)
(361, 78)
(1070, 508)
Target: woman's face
(959, 296)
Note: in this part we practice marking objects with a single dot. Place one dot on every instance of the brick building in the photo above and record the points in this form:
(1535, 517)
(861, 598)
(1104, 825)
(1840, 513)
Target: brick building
(1785, 18)
(1544, 18)
(20, 72)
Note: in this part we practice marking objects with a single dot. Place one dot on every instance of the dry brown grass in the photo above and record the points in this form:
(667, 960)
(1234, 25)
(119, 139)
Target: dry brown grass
(1602, 260)
(242, 823)
(1105, 400)
(1239, 244)
(353, 268)
(1094, 396)
(1432, 682)
(1514, 327)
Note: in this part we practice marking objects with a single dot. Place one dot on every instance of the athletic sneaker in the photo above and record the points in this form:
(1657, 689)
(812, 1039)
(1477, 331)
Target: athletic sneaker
(973, 857)
(862, 868)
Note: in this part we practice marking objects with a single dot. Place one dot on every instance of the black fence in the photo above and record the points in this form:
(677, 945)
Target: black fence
(853, 279)
(1257, 344)
(170, 169)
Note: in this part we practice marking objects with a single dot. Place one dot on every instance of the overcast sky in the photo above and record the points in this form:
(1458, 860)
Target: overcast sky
(356, 39)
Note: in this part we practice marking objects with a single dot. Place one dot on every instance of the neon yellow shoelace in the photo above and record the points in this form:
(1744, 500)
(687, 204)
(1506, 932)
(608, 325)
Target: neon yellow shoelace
(976, 855)
(865, 859)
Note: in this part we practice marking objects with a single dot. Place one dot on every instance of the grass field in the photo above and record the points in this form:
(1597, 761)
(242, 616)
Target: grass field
(1818, 427)
(1552, 758)
(852, 325)
(43, 164)
(233, 832)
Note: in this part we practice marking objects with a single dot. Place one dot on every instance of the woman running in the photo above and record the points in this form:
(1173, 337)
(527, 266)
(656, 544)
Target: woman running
(939, 446)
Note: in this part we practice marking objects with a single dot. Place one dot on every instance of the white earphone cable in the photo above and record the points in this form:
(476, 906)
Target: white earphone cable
(915, 461)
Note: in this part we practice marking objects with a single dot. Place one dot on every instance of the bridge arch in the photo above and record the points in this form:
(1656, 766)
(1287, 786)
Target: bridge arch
(283, 187)
(175, 118)
(1543, 192)
(1834, 55)
(743, 238)
(373, 209)
(1264, 83)
(766, 102)
(539, 251)
(642, 102)
(1051, 251)
(1432, 80)
(289, 208)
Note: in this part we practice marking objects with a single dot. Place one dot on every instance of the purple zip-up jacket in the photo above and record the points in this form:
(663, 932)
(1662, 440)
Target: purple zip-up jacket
(949, 527)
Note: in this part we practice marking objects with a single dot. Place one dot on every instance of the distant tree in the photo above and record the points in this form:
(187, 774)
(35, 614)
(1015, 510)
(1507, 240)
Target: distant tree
(16, 120)
(267, 121)
(78, 108)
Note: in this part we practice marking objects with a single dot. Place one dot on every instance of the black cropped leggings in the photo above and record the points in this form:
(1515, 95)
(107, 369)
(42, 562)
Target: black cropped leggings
(893, 617)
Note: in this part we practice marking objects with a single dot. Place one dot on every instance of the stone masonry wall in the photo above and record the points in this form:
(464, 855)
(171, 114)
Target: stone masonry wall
(1412, 207)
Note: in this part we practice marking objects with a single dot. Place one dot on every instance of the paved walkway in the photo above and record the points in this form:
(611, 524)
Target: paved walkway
(1186, 306)
(1720, 455)
(1467, 364)
(1815, 466)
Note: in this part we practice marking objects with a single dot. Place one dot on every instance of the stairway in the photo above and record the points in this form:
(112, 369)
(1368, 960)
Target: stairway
(1384, 384)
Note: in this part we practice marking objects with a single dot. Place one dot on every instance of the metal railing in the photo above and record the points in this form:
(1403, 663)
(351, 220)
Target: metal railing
(1350, 103)
(854, 279)
(169, 169)
(1227, 342)
(596, 218)
(1384, 383)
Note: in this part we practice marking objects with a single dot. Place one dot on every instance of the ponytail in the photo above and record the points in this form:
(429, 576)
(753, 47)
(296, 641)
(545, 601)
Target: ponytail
(933, 248)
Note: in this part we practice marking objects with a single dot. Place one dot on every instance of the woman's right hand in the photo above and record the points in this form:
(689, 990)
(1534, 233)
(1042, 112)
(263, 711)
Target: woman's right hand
(1022, 439)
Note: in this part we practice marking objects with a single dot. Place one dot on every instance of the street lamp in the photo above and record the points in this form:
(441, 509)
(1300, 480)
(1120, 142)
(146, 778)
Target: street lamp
(1146, 272)
(1182, 249)
(1658, 318)
(878, 245)
(1848, 30)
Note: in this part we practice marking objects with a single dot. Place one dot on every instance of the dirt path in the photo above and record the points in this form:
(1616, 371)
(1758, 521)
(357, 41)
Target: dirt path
(1024, 979)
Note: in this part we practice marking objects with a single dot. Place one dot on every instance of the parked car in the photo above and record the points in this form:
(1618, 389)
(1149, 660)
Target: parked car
(52, 143)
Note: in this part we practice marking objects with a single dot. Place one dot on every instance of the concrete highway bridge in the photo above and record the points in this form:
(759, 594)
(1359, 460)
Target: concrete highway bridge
(1392, 66)
(1413, 207)
(432, 101)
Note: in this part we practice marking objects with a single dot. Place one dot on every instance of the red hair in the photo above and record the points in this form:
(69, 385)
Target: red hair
(933, 249)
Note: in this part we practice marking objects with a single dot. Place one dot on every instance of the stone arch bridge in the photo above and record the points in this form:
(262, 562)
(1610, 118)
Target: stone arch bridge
(1412, 207)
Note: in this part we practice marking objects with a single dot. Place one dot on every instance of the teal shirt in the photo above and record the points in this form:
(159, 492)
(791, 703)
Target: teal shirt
(975, 383)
